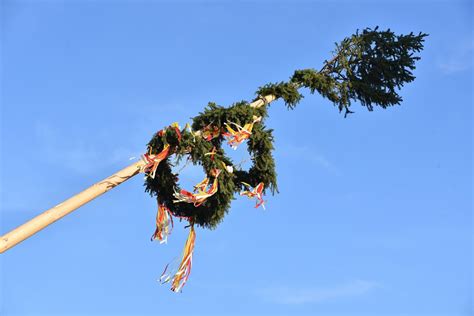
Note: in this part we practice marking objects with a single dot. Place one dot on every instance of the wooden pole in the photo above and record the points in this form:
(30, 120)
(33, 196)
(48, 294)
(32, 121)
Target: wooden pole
(36, 224)
(50, 216)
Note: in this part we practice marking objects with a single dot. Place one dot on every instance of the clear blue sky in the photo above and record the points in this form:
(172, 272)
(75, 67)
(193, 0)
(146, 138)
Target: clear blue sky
(374, 215)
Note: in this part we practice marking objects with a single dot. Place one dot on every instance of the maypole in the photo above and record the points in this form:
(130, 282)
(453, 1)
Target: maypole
(368, 67)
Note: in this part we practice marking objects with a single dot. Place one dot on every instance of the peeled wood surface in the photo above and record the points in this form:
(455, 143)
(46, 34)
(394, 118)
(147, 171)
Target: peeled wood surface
(258, 103)
(59, 211)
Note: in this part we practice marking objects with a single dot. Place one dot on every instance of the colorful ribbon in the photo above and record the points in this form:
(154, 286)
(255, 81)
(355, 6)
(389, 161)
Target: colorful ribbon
(182, 274)
(210, 132)
(152, 161)
(177, 129)
(256, 192)
(236, 137)
(201, 194)
(164, 224)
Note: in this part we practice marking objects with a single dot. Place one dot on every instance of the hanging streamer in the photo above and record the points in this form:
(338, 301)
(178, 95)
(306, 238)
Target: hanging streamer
(178, 279)
(212, 153)
(152, 161)
(201, 194)
(164, 224)
(256, 192)
(236, 137)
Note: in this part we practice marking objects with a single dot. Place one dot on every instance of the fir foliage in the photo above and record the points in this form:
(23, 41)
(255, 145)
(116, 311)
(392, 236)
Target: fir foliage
(369, 67)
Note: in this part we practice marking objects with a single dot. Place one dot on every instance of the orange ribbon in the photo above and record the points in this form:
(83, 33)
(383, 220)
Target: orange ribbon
(256, 192)
(152, 161)
(164, 224)
(178, 279)
(236, 137)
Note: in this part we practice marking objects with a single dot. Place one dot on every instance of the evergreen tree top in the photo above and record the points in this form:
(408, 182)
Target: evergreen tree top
(369, 67)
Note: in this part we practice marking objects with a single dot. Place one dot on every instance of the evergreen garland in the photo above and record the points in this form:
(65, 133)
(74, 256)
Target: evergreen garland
(369, 67)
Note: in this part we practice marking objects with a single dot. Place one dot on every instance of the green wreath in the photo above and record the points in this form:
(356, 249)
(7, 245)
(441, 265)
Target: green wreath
(202, 145)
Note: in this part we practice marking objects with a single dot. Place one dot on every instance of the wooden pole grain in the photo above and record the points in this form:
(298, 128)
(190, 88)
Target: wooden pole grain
(50, 216)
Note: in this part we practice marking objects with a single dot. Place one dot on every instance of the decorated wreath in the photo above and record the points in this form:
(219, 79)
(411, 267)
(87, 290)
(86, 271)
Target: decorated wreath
(367, 67)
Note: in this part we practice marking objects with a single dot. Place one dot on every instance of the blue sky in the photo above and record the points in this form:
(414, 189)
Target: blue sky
(374, 214)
